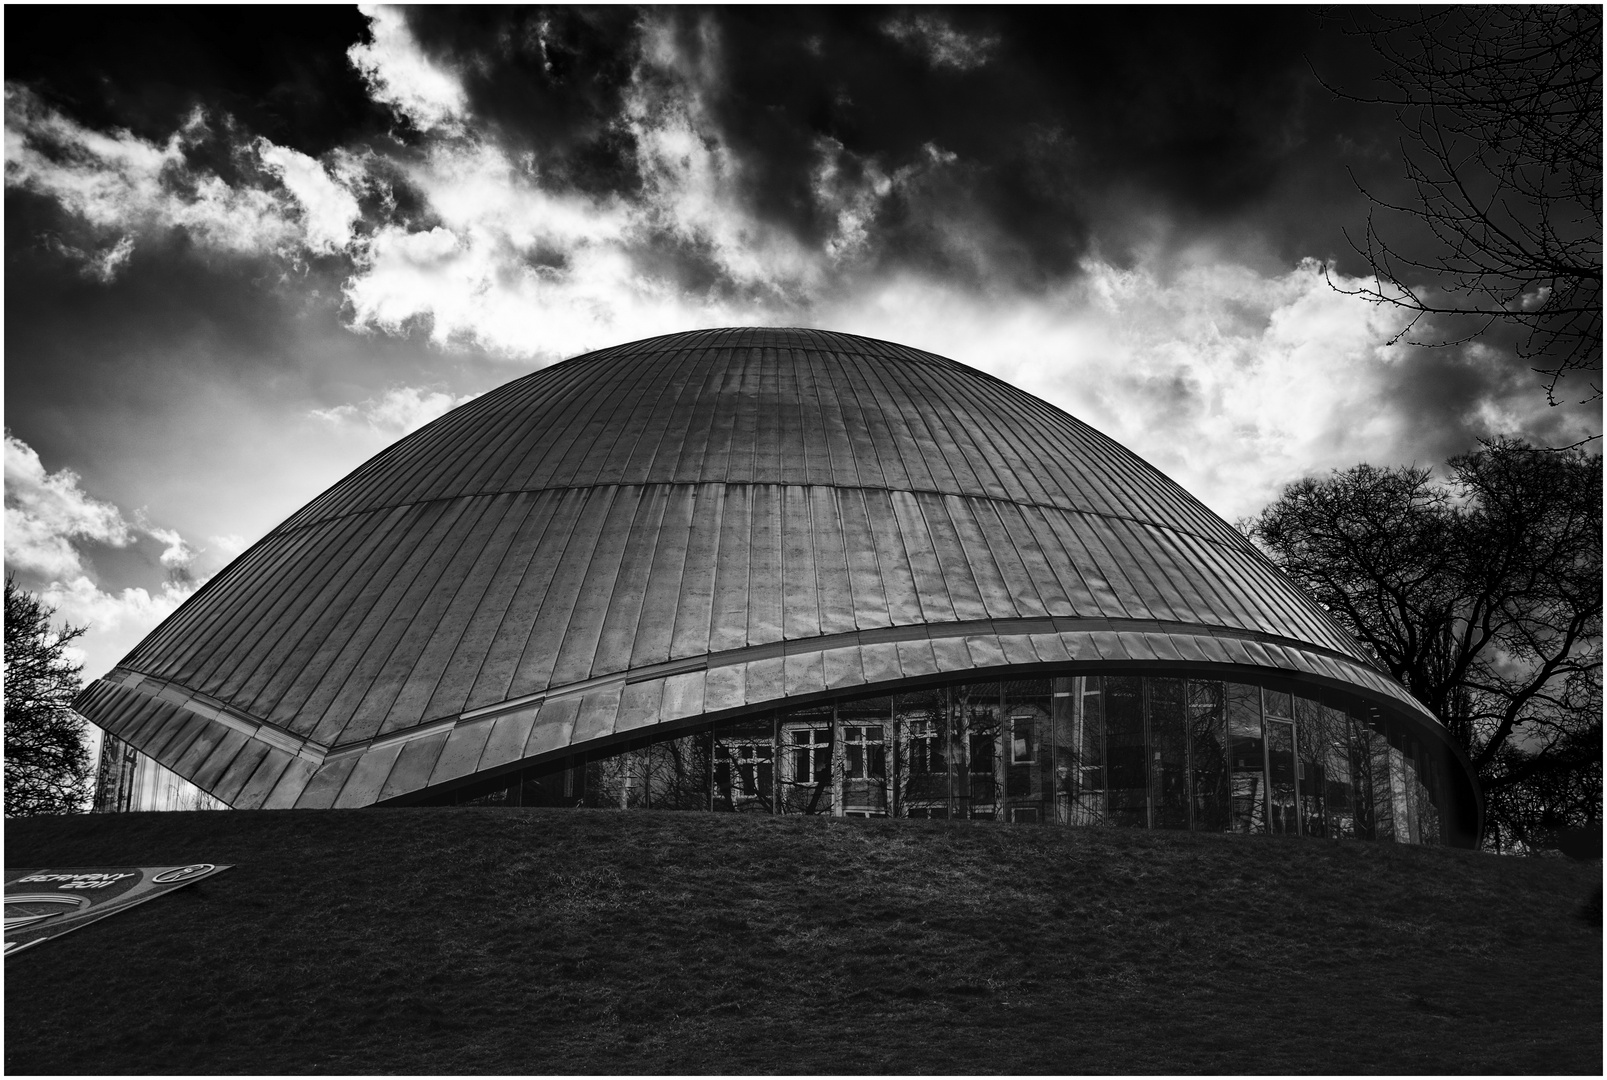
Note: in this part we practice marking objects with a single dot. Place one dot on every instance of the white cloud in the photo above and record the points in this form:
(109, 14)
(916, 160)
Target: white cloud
(397, 411)
(46, 512)
(48, 515)
(120, 183)
(102, 265)
(694, 181)
(1232, 381)
(122, 186)
(529, 272)
(178, 555)
(401, 76)
(227, 545)
(509, 266)
(941, 44)
(117, 621)
(329, 210)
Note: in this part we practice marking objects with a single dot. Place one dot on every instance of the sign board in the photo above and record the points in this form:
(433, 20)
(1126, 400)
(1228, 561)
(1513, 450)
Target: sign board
(46, 903)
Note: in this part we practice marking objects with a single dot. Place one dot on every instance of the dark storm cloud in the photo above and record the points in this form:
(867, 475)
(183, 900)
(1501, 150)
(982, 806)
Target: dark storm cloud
(1067, 116)
(549, 81)
(282, 73)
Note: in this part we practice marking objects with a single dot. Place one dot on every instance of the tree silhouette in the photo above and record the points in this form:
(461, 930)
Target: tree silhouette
(47, 763)
(1500, 110)
(1483, 596)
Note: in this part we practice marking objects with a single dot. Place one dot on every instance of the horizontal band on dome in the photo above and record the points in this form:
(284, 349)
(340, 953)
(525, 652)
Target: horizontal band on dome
(1128, 630)
(888, 635)
(296, 525)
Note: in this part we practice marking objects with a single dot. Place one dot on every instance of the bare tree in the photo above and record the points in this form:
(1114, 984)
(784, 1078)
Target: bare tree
(47, 763)
(1500, 109)
(1483, 596)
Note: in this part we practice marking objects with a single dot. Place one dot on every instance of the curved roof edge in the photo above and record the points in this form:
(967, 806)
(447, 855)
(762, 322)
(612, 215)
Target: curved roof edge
(250, 764)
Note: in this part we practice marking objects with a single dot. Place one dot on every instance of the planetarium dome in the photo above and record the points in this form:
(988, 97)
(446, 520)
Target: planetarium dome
(776, 571)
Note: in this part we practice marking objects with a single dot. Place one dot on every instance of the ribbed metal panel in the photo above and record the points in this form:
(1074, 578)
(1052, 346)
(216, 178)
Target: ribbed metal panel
(682, 526)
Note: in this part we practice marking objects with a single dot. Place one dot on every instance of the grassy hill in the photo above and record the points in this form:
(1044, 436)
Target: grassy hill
(519, 941)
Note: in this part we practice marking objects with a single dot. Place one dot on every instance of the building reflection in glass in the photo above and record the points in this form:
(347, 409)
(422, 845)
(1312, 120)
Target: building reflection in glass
(1138, 751)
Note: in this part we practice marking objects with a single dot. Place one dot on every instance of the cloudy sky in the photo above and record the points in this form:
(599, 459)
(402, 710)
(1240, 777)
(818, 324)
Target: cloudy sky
(246, 249)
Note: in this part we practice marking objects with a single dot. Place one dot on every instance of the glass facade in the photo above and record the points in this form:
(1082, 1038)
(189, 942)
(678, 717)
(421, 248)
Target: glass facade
(127, 780)
(1140, 751)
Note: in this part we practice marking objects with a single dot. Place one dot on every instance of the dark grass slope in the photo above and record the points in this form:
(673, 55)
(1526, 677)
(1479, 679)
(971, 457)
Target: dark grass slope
(519, 941)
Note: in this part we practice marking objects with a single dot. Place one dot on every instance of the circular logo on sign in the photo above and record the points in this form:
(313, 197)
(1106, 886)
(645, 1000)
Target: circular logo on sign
(183, 873)
(37, 907)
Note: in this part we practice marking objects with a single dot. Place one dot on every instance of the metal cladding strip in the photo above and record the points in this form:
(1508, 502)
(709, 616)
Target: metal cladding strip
(1033, 559)
(1050, 546)
(373, 671)
(232, 784)
(280, 627)
(800, 581)
(124, 684)
(650, 643)
(483, 665)
(451, 577)
(424, 682)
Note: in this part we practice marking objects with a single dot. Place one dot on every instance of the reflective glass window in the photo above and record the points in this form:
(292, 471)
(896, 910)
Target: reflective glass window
(1022, 740)
(1247, 759)
(1126, 766)
(806, 783)
(922, 769)
(1331, 737)
(866, 753)
(1078, 741)
(863, 726)
(1168, 754)
(670, 774)
(1359, 754)
(1027, 705)
(1428, 796)
(744, 766)
(1311, 766)
(1282, 789)
(1208, 759)
(1400, 792)
(1279, 703)
(977, 714)
(614, 779)
(556, 783)
(1381, 786)
(675, 773)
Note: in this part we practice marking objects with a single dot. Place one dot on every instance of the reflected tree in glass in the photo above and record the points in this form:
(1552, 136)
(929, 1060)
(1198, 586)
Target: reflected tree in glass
(1282, 790)
(1168, 754)
(1331, 735)
(923, 765)
(677, 773)
(1125, 751)
(1400, 792)
(1078, 719)
(806, 782)
(744, 766)
(1379, 774)
(1312, 766)
(1208, 757)
(1246, 756)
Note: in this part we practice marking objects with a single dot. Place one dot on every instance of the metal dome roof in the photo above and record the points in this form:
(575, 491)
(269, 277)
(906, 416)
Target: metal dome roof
(693, 524)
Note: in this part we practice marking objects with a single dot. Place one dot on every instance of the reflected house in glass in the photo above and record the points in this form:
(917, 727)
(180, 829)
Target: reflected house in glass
(778, 571)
